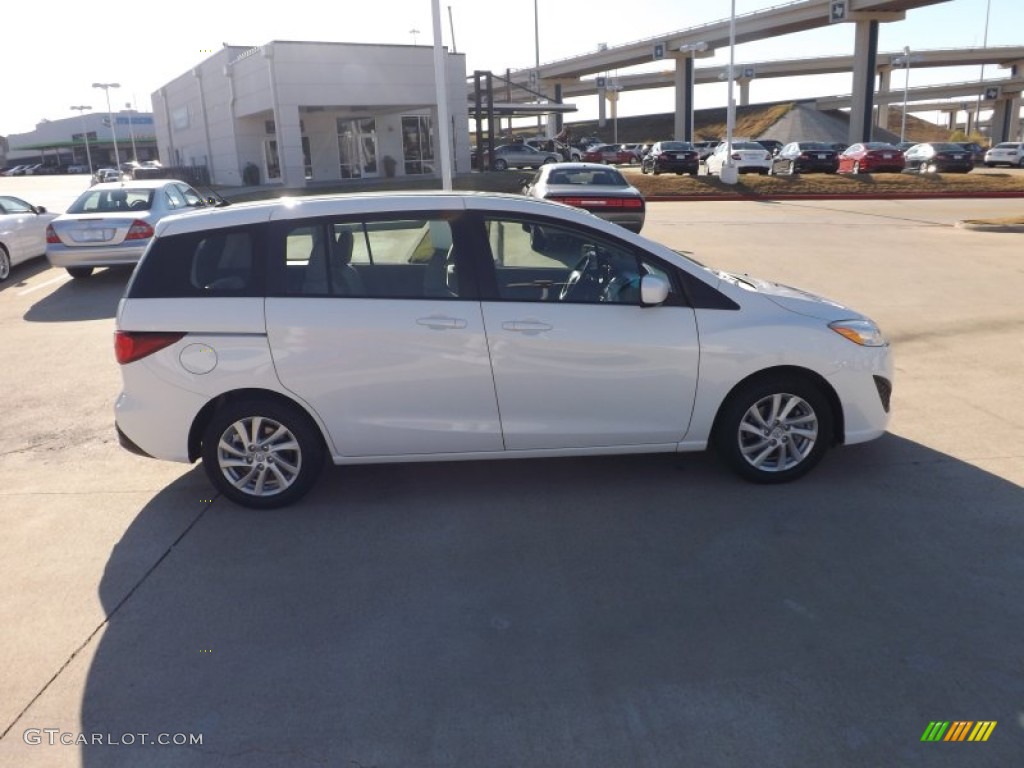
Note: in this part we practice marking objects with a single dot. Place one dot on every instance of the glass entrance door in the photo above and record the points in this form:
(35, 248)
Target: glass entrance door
(357, 147)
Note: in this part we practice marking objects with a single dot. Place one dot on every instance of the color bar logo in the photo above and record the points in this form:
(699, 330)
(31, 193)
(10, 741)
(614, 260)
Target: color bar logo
(958, 730)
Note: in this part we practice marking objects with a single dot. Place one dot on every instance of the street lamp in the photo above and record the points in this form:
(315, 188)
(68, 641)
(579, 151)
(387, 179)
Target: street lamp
(981, 78)
(729, 174)
(113, 131)
(85, 133)
(131, 129)
(905, 61)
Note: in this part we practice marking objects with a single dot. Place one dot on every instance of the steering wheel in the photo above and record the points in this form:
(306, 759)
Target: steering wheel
(584, 282)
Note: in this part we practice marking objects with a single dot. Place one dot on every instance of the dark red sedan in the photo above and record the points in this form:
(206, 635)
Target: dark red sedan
(611, 154)
(871, 157)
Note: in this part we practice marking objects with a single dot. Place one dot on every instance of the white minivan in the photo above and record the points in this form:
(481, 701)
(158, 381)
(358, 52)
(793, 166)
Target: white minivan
(264, 337)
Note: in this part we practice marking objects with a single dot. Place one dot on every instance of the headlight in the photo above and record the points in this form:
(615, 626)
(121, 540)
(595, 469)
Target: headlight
(862, 332)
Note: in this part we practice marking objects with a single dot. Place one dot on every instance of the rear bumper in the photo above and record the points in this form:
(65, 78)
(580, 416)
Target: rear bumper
(98, 256)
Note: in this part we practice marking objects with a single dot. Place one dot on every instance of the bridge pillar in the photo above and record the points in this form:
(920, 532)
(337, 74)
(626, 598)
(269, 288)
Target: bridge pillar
(1005, 125)
(865, 51)
(601, 96)
(682, 123)
(744, 84)
(882, 111)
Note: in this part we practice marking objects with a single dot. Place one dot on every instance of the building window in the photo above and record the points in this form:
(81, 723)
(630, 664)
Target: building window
(272, 159)
(357, 147)
(418, 144)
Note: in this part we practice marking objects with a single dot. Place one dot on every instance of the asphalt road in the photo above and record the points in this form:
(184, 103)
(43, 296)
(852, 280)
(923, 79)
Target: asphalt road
(636, 611)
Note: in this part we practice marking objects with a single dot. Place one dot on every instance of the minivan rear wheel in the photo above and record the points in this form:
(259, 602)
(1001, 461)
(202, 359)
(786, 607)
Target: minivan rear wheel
(774, 429)
(261, 453)
(79, 273)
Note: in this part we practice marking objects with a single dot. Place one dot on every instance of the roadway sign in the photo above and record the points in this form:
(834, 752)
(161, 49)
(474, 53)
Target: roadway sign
(837, 11)
(602, 82)
(748, 73)
(659, 51)
(992, 92)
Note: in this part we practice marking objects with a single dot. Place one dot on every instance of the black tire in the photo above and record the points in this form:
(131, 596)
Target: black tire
(80, 273)
(1020, 163)
(5, 264)
(656, 171)
(291, 468)
(643, 168)
(500, 165)
(990, 165)
(745, 430)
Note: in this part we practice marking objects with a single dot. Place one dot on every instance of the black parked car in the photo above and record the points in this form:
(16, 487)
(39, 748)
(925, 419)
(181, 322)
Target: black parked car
(938, 157)
(676, 157)
(805, 157)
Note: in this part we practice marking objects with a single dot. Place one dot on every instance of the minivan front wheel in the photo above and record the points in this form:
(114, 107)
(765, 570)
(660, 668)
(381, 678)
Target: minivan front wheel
(262, 454)
(79, 273)
(774, 429)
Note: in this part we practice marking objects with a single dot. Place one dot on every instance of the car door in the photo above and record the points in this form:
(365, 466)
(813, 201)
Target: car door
(378, 329)
(577, 361)
(24, 229)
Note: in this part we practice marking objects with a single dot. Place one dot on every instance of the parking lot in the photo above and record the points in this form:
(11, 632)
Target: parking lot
(627, 611)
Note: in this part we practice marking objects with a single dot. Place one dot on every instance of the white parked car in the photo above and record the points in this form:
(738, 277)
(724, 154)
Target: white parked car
(22, 232)
(747, 156)
(1007, 153)
(426, 327)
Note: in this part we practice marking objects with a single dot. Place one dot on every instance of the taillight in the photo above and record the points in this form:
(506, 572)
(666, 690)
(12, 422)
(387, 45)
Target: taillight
(130, 346)
(737, 156)
(139, 230)
(51, 235)
(600, 202)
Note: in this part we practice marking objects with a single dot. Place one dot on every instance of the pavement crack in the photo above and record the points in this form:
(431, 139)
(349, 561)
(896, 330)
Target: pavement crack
(85, 643)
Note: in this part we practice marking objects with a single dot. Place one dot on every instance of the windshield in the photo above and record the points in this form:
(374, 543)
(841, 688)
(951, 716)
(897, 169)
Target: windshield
(114, 200)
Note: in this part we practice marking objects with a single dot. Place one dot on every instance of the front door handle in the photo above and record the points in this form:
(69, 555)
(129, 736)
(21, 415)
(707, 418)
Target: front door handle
(526, 326)
(441, 322)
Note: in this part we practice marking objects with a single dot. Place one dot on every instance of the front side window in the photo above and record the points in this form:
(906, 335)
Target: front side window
(537, 261)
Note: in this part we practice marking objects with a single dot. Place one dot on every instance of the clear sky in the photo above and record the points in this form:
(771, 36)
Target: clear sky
(54, 51)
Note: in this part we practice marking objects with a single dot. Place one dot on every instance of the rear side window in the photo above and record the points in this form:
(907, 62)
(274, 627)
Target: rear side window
(222, 262)
(397, 259)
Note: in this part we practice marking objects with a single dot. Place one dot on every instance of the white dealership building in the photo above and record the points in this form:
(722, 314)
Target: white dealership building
(295, 112)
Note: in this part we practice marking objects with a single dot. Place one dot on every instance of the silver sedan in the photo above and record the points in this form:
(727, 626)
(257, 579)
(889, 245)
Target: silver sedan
(521, 156)
(111, 224)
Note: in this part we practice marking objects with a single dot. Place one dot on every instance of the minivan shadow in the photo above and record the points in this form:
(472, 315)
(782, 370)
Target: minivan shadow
(640, 610)
(94, 298)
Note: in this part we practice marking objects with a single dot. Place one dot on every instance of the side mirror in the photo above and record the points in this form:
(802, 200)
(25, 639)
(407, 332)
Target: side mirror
(40, 209)
(653, 291)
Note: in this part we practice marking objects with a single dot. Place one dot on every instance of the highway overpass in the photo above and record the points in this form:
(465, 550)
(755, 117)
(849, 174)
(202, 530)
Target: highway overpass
(557, 78)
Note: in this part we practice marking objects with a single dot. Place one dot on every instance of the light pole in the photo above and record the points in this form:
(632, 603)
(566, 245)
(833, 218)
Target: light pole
(906, 88)
(729, 173)
(131, 129)
(536, 53)
(85, 133)
(113, 130)
(414, 32)
(981, 79)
